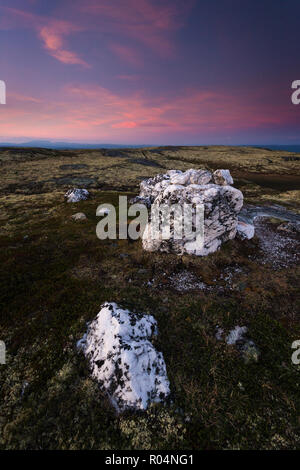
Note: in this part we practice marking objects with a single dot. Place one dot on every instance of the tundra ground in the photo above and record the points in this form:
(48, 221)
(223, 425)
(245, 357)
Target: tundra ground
(55, 274)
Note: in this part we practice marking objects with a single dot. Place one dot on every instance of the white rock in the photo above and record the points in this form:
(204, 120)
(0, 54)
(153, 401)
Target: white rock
(245, 231)
(221, 203)
(180, 179)
(79, 216)
(76, 195)
(200, 176)
(237, 334)
(122, 358)
(236, 337)
(222, 177)
(190, 177)
(173, 172)
(172, 188)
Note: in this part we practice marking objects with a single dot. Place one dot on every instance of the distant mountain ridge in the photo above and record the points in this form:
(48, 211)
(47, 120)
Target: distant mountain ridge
(285, 148)
(65, 145)
(48, 144)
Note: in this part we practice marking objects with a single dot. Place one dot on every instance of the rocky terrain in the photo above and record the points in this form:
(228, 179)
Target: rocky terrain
(222, 324)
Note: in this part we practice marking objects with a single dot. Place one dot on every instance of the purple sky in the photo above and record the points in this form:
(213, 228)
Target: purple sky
(150, 71)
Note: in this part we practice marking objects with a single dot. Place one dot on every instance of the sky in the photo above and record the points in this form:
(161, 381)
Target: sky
(150, 72)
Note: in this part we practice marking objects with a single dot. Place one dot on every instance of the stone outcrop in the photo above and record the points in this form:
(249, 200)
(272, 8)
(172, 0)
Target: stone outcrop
(122, 358)
(213, 191)
(76, 195)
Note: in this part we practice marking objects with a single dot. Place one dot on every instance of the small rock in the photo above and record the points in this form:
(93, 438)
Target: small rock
(79, 216)
(289, 227)
(143, 271)
(219, 333)
(250, 352)
(244, 231)
(222, 177)
(76, 195)
(241, 386)
(247, 348)
(237, 334)
(24, 386)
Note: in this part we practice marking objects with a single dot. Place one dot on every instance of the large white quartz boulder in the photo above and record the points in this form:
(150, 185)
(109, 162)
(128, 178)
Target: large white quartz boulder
(221, 204)
(122, 358)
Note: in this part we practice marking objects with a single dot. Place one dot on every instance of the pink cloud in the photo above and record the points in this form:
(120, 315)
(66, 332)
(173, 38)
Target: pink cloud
(23, 98)
(149, 22)
(53, 35)
(51, 31)
(96, 113)
(122, 26)
(125, 125)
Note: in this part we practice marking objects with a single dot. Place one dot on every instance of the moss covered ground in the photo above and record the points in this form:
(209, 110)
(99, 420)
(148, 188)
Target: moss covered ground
(55, 273)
